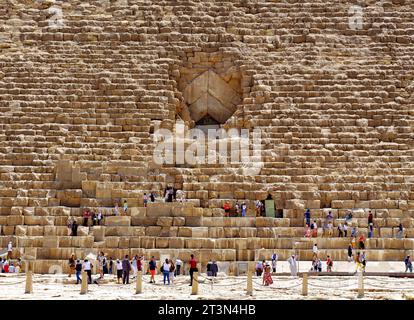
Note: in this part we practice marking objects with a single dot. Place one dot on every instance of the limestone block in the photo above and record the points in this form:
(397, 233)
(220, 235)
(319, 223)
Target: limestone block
(408, 244)
(246, 255)
(228, 254)
(178, 243)
(112, 242)
(30, 252)
(16, 211)
(138, 231)
(218, 212)
(65, 242)
(231, 232)
(50, 242)
(135, 242)
(407, 222)
(83, 231)
(35, 231)
(185, 211)
(118, 221)
(103, 191)
(161, 242)
(15, 220)
(82, 242)
(20, 231)
(178, 221)
(148, 242)
(313, 204)
(98, 233)
(395, 213)
(50, 231)
(281, 222)
(70, 198)
(184, 232)
(295, 204)
(208, 243)
(386, 233)
(165, 221)
(343, 204)
(392, 222)
(265, 233)
(36, 220)
(193, 244)
(264, 222)
(61, 211)
(143, 221)
(159, 210)
(194, 221)
(153, 231)
(247, 232)
(199, 232)
(381, 213)
(123, 243)
(216, 232)
(138, 212)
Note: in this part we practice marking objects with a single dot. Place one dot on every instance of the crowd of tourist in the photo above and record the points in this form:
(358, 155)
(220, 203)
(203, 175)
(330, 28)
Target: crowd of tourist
(127, 267)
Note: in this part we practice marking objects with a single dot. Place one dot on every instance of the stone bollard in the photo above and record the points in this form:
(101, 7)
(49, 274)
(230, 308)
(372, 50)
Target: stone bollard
(29, 282)
(249, 289)
(305, 284)
(84, 284)
(194, 288)
(138, 289)
(361, 285)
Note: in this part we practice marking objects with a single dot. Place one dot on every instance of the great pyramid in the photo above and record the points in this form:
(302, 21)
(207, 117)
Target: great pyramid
(84, 86)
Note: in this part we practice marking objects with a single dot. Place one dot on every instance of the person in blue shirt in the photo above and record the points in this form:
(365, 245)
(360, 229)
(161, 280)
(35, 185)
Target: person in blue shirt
(308, 217)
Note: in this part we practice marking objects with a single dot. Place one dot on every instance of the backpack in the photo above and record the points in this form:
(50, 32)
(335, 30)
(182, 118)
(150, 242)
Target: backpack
(172, 268)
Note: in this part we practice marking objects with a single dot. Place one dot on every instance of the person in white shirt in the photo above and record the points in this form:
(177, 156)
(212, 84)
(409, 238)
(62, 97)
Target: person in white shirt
(178, 264)
(9, 250)
(119, 270)
(315, 250)
(87, 267)
(100, 217)
(166, 270)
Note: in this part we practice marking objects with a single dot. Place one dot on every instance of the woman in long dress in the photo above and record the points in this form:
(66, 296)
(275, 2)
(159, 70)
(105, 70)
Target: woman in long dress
(134, 265)
(292, 266)
(267, 277)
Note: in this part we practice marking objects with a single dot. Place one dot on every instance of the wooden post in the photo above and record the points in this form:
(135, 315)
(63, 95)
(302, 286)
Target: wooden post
(361, 285)
(84, 284)
(194, 288)
(139, 283)
(249, 289)
(29, 282)
(304, 284)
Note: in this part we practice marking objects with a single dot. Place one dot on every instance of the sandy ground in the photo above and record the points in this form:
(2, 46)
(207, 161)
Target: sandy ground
(224, 287)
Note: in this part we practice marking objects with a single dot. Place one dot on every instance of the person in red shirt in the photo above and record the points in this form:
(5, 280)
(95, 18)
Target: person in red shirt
(226, 208)
(329, 264)
(362, 242)
(193, 268)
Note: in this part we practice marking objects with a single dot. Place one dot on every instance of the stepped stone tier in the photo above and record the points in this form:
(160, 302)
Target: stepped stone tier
(84, 85)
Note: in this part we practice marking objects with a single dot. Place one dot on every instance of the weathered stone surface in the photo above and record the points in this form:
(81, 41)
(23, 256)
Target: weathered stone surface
(118, 221)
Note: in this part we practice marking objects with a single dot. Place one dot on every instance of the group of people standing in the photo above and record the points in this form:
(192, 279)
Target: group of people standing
(169, 269)
(6, 263)
(239, 209)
